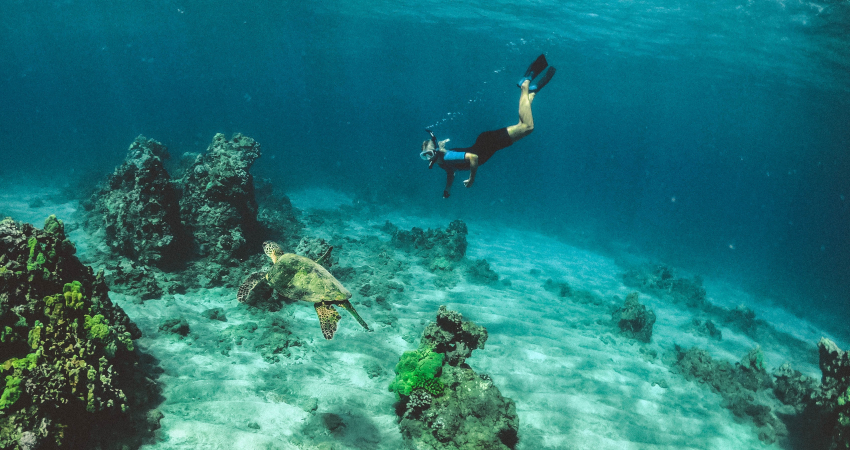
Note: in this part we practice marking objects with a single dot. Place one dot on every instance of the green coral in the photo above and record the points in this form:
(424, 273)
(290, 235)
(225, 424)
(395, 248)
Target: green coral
(12, 392)
(7, 334)
(844, 398)
(52, 225)
(126, 340)
(73, 293)
(418, 370)
(36, 259)
(35, 335)
(97, 327)
(28, 362)
(433, 385)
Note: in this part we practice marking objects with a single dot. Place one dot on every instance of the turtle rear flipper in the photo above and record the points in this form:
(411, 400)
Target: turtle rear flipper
(328, 319)
(248, 285)
(346, 305)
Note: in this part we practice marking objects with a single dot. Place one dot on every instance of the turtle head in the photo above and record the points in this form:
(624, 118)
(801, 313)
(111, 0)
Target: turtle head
(272, 250)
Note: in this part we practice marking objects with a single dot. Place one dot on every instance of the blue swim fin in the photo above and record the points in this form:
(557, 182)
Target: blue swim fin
(536, 87)
(536, 68)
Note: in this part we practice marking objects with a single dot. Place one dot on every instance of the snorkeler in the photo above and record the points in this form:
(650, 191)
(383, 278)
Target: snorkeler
(488, 142)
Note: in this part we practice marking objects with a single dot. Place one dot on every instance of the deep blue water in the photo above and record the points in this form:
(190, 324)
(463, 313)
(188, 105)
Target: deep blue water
(713, 136)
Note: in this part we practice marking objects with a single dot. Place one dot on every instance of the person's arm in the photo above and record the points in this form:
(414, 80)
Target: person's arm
(450, 177)
(473, 167)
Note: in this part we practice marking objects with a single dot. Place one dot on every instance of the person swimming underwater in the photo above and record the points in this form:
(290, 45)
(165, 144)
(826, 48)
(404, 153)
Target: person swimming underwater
(488, 142)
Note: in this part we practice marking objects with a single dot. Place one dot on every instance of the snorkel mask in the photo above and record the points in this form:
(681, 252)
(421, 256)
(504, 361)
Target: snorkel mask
(430, 148)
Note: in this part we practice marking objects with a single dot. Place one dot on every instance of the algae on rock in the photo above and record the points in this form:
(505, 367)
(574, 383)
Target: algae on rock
(73, 375)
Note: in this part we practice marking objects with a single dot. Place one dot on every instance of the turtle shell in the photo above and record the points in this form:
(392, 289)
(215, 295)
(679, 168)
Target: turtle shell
(301, 278)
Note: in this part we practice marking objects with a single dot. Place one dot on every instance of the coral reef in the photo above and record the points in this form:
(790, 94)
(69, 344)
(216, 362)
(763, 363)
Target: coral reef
(431, 244)
(218, 205)
(633, 319)
(73, 376)
(443, 403)
(705, 328)
(453, 336)
(276, 214)
(166, 237)
(479, 272)
(315, 248)
(660, 280)
(834, 396)
(793, 388)
(739, 385)
(138, 205)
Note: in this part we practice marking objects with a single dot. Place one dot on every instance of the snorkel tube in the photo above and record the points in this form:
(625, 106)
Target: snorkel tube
(433, 137)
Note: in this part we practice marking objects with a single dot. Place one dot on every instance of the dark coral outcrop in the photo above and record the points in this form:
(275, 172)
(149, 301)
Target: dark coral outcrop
(633, 319)
(453, 336)
(834, 396)
(138, 205)
(218, 204)
(73, 376)
(443, 403)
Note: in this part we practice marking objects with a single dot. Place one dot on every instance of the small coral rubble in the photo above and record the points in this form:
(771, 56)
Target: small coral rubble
(70, 363)
(634, 319)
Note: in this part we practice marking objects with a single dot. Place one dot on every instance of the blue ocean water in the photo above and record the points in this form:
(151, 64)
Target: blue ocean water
(713, 136)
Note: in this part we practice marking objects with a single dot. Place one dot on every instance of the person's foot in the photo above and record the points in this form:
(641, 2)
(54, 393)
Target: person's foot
(525, 84)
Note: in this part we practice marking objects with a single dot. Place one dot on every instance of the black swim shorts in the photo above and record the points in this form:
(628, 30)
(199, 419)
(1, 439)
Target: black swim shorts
(488, 143)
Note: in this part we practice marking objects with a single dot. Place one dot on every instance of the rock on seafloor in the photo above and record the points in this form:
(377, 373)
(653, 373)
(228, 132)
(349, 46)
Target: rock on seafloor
(138, 207)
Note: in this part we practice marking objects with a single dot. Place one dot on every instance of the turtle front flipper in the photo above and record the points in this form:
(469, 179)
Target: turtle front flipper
(328, 319)
(346, 305)
(248, 285)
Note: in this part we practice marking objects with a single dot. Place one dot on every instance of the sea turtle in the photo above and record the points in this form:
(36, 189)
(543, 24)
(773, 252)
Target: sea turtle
(300, 278)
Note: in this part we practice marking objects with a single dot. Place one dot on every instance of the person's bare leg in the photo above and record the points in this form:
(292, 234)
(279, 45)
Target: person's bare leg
(526, 120)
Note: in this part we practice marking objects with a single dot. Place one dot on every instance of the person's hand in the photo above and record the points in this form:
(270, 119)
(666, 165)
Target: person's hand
(468, 183)
(445, 194)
